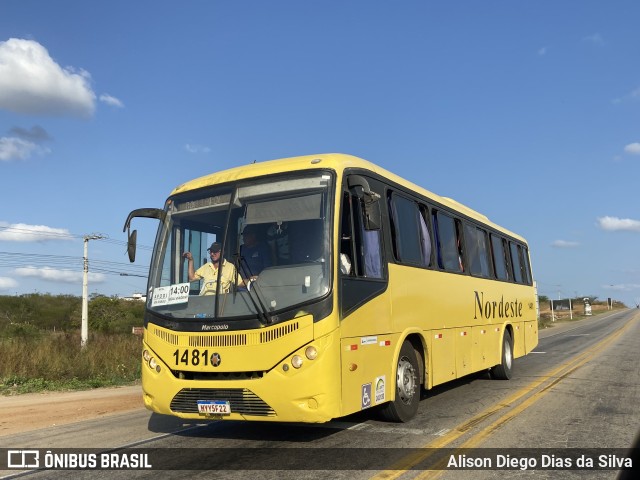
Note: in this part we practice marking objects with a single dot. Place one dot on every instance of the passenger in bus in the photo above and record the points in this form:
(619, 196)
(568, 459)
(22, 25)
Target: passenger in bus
(209, 272)
(345, 264)
(255, 254)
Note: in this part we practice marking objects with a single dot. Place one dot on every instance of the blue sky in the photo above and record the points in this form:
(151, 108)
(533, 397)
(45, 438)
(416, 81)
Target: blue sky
(528, 112)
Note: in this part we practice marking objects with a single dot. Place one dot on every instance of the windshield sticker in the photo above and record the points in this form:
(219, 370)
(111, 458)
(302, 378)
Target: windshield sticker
(178, 293)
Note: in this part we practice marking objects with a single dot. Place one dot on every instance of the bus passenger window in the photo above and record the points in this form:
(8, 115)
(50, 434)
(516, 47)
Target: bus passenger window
(515, 261)
(411, 239)
(477, 251)
(526, 268)
(520, 261)
(499, 258)
(360, 249)
(425, 236)
(347, 251)
(449, 242)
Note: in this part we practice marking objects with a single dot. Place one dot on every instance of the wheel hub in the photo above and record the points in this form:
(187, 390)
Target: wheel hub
(406, 380)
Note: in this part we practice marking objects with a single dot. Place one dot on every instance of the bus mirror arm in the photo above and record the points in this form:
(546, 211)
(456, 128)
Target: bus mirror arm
(132, 236)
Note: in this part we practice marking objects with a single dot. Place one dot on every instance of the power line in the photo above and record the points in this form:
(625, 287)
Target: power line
(34, 260)
(58, 235)
(123, 243)
(65, 263)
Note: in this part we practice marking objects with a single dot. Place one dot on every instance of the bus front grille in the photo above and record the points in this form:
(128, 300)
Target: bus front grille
(242, 401)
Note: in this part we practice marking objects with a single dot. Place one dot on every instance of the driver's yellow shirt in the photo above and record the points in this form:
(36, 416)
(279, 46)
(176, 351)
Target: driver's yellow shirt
(209, 274)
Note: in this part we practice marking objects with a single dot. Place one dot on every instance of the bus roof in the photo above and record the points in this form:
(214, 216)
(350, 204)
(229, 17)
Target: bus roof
(334, 161)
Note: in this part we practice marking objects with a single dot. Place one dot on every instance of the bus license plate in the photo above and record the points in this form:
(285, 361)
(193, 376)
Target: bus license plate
(214, 407)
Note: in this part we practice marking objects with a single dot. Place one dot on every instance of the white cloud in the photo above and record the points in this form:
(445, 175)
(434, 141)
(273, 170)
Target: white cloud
(633, 148)
(196, 148)
(55, 275)
(20, 232)
(7, 283)
(31, 82)
(619, 224)
(564, 244)
(14, 148)
(112, 101)
(22, 143)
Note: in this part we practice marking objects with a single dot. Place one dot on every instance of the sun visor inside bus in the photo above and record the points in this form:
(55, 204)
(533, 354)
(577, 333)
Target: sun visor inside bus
(284, 210)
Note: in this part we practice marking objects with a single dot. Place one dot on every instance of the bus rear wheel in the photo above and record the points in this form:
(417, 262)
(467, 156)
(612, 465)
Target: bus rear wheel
(504, 370)
(405, 406)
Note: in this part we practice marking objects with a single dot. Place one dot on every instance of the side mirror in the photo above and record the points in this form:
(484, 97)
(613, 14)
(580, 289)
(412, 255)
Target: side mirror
(370, 199)
(131, 245)
(133, 236)
(372, 214)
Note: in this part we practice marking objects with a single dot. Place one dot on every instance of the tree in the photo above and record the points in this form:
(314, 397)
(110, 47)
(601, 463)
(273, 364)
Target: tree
(114, 315)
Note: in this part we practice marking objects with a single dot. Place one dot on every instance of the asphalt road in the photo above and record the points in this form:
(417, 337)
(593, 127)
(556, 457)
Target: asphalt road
(577, 395)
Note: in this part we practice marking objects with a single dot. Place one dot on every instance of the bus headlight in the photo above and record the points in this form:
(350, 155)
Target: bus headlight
(154, 365)
(296, 361)
(151, 361)
(311, 353)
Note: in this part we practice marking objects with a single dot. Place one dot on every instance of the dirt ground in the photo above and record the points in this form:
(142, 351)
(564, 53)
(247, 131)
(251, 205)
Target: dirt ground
(22, 413)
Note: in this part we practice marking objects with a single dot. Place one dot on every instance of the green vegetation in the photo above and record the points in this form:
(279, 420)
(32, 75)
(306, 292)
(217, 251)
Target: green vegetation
(548, 320)
(40, 343)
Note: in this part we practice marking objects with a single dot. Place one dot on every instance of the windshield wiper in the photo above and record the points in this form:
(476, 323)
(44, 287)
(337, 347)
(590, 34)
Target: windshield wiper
(258, 304)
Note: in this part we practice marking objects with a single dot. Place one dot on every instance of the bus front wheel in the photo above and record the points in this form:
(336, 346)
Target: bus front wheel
(405, 405)
(504, 370)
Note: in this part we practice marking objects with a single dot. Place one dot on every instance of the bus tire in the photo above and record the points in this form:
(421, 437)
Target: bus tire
(405, 405)
(504, 370)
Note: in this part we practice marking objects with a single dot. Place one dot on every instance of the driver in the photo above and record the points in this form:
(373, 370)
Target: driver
(209, 272)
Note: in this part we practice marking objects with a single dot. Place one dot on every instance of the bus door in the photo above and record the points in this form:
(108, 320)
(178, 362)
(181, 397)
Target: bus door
(364, 311)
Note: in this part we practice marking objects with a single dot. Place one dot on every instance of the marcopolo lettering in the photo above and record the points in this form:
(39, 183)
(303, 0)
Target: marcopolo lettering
(496, 308)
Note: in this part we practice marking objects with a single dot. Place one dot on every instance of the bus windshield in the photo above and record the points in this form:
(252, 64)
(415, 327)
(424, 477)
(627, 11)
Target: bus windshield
(248, 250)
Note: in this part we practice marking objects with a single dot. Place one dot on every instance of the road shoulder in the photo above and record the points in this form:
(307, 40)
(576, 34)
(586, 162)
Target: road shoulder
(31, 411)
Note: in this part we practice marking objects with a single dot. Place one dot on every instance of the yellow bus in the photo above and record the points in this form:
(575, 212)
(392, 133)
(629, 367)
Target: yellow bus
(309, 288)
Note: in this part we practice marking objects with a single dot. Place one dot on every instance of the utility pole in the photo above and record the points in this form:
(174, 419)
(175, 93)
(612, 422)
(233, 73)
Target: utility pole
(84, 329)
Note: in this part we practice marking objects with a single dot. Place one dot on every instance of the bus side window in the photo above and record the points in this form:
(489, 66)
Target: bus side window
(360, 249)
(449, 242)
(425, 235)
(526, 268)
(520, 262)
(515, 261)
(477, 243)
(500, 263)
(347, 245)
(411, 238)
